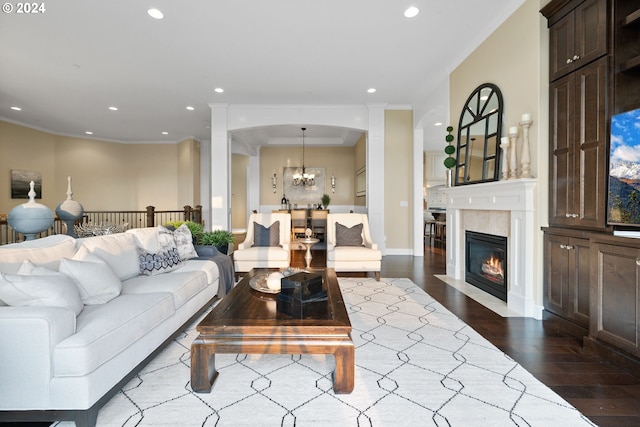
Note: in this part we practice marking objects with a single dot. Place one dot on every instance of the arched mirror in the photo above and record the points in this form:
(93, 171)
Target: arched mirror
(479, 131)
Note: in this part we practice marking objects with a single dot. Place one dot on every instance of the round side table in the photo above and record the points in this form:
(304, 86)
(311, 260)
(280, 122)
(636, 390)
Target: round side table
(308, 242)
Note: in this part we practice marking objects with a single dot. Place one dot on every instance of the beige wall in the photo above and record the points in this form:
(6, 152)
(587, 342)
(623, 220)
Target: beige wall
(105, 175)
(336, 160)
(27, 149)
(189, 172)
(514, 58)
(239, 165)
(509, 58)
(398, 176)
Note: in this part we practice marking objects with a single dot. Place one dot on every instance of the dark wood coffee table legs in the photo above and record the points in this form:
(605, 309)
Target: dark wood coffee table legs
(204, 348)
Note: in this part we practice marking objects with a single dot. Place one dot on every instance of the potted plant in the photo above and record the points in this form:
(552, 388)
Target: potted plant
(218, 238)
(325, 200)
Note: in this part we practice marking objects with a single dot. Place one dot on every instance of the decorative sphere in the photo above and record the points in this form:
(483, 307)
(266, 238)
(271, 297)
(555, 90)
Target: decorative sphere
(449, 138)
(30, 219)
(69, 210)
(449, 128)
(274, 281)
(449, 149)
(449, 162)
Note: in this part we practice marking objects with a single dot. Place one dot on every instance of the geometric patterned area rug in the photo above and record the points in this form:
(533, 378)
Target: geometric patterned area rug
(417, 364)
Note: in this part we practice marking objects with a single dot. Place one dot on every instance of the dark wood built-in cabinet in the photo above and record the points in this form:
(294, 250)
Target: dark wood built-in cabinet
(591, 278)
(566, 278)
(577, 38)
(578, 154)
(627, 55)
(614, 294)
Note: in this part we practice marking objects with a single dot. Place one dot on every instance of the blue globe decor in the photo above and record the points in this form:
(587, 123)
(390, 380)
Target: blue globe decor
(30, 218)
(69, 210)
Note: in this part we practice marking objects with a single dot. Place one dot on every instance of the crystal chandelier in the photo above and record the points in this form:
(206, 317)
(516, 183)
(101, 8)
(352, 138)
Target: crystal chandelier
(303, 179)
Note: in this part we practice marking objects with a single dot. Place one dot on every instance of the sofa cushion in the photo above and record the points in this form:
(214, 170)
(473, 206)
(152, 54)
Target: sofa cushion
(55, 290)
(353, 253)
(118, 250)
(183, 286)
(266, 236)
(273, 253)
(96, 281)
(349, 236)
(47, 251)
(105, 330)
(210, 268)
(159, 262)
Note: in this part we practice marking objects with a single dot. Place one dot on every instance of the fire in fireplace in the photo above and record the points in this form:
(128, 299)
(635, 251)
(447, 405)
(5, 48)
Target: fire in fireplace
(486, 263)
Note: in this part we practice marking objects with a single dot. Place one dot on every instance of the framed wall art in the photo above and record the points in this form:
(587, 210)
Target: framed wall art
(20, 184)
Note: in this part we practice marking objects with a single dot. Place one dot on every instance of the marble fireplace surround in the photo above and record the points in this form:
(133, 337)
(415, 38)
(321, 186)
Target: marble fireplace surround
(503, 208)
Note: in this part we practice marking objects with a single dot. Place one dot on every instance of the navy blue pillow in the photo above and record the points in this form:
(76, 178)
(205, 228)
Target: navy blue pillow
(263, 236)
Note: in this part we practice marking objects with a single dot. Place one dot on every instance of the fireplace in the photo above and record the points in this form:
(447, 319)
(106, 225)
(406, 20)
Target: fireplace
(486, 262)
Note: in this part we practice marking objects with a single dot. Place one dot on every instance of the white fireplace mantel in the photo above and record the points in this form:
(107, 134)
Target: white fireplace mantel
(517, 197)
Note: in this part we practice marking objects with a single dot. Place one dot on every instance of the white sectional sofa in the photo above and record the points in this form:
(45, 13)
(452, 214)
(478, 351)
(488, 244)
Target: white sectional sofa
(61, 359)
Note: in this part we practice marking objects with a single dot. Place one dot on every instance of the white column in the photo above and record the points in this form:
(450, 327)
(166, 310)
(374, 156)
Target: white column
(375, 174)
(418, 182)
(221, 169)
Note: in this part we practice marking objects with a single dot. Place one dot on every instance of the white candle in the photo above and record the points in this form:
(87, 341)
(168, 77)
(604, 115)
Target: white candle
(504, 140)
(526, 117)
(513, 129)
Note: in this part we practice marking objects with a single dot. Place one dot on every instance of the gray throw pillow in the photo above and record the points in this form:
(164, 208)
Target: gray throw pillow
(346, 236)
(263, 236)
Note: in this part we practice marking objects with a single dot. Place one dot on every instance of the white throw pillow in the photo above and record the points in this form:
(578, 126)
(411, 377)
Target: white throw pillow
(28, 267)
(55, 290)
(118, 250)
(96, 281)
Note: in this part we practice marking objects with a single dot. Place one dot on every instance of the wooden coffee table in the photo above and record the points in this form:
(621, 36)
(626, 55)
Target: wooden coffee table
(246, 321)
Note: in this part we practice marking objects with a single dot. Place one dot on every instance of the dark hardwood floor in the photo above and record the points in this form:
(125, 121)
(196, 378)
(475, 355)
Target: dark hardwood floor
(550, 349)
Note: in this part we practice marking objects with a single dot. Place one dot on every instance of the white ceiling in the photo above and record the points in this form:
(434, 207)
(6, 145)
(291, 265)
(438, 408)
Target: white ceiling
(64, 67)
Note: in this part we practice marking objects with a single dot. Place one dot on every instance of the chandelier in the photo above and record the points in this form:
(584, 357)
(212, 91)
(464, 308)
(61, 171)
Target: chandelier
(302, 178)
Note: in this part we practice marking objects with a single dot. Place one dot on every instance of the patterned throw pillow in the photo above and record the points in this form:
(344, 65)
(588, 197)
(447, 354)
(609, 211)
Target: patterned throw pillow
(346, 236)
(180, 238)
(161, 262)
(263, 236)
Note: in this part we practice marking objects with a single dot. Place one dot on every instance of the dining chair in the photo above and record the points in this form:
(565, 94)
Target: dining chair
(319, 222)
(298, 222)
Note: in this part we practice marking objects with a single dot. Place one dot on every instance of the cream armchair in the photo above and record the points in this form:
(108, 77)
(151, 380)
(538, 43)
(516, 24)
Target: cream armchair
(349, 244)
(265, 249)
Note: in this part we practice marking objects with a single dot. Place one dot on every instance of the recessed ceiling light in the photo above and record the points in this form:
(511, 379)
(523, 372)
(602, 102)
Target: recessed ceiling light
(89, 132)
(190, 108)
(411, 12)
(371, 90)
(438, 124)
(165, 133)
(16, 108)
(155, 13)
(219, 90)
(113, 108)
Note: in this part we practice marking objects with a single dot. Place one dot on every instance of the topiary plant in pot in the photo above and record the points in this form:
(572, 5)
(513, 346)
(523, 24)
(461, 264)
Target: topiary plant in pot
(326, 199)
(218, 238)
